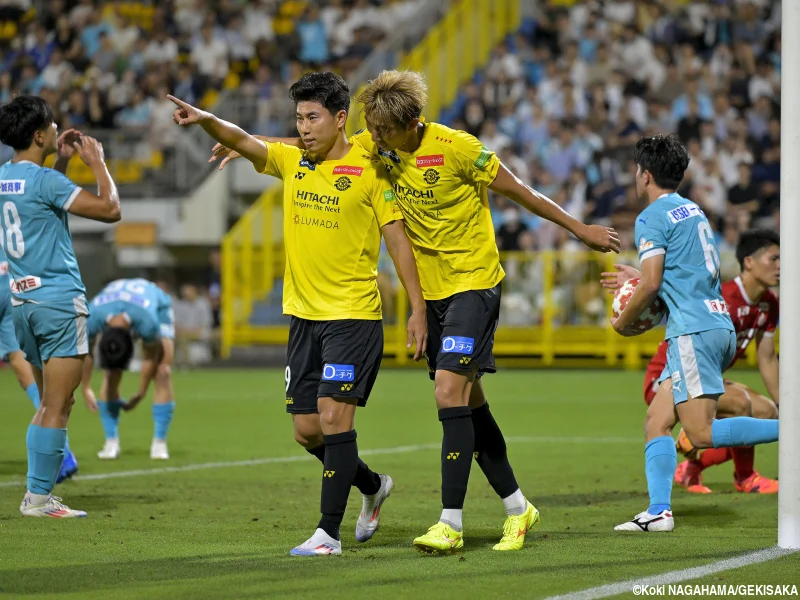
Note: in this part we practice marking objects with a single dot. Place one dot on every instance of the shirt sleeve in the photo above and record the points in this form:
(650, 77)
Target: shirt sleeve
(651, 236)
(280, 155)
(383, 200)
(474, 160)
(57, 190)
(363, 139)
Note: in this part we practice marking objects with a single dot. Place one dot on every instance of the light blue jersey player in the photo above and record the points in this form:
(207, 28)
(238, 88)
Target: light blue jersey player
(11, 353)
(129, 309)
(680, 263)
(49, 307)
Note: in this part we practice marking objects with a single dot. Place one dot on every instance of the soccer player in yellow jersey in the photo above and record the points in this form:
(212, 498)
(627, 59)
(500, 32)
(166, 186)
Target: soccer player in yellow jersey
(337, 203)
(440, 178)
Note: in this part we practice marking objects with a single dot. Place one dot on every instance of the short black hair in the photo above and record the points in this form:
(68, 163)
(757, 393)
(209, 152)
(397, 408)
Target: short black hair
(665, 157)
(753, 241)
(116, 348)
(21, 118)
(327, 88)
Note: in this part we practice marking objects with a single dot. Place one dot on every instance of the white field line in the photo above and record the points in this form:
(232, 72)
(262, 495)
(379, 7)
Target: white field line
(672, 577)
(306, 457)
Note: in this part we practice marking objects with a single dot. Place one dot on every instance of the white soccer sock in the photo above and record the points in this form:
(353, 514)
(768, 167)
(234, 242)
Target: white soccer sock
(452, 516)
(37, 499)
(515, 504)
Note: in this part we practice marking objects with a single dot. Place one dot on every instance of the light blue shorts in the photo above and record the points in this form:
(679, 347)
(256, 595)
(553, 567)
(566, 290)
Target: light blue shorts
(52, 329)
(695, 363)
(8, 338)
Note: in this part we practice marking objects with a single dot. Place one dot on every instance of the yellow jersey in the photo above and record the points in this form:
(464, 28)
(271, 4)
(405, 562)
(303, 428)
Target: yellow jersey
(442, 191)
(333, 212)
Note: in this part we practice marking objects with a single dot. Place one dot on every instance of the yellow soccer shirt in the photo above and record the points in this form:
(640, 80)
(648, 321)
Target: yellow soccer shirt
(442, 191)
(332, 215)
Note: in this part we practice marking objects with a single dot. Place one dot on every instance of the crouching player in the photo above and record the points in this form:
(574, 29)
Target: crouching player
(127, 309)
(754, 311)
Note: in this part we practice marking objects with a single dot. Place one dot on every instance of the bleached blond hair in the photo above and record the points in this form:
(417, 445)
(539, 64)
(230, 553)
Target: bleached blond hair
(394, 97)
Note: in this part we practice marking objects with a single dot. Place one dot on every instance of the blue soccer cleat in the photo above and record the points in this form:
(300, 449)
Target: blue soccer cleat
(68, 467)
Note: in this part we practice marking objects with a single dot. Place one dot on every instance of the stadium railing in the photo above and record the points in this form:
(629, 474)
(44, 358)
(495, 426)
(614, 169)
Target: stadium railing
(554, 312)
(453, 50)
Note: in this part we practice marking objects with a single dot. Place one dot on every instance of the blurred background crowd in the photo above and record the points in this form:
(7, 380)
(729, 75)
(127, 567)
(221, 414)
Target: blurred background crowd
(562, 102)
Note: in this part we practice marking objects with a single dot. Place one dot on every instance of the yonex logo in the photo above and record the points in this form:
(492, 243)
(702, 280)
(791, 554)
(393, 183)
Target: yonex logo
(346, 387)
(453, 455)
(290, 401)
(328, 474)
(465, 360)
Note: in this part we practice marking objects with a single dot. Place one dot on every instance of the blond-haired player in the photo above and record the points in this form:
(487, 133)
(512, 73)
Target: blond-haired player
(440, 178)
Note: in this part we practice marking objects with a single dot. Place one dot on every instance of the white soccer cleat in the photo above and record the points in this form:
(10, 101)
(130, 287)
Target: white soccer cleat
(38, 505)
(369, 518)
(158, 450)
(319, 544)
(110, 450)
(644, 522)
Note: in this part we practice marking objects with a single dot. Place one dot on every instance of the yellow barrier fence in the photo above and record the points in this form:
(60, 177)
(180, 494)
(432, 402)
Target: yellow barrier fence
(554, 313)
(454, 50)
(251, 260)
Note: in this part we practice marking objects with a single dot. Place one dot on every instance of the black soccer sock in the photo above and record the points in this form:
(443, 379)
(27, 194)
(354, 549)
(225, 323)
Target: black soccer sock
(490, 448)
(366, 480)
(341, 462)
(458, 444)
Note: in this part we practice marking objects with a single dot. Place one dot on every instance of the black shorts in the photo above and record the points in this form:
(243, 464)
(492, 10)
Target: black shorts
(461, 332)
(337, 359)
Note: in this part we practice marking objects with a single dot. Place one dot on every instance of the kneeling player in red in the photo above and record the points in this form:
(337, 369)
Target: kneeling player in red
(754, 311)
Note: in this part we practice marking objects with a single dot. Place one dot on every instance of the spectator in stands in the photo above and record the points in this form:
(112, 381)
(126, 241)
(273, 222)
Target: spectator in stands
(193, 324)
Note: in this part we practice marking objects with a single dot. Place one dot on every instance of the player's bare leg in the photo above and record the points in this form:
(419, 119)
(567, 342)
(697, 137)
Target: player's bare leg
(737, 401)
(492, 458)
(163, 401)
(110, 406)
(337, 421)
(47, 436)
(660, 462)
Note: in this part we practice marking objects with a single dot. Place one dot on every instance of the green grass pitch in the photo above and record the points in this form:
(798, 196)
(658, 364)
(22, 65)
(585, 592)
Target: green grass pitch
(575, 441)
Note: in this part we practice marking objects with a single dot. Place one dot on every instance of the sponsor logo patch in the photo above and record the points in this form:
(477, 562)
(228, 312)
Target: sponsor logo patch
(432, 160)
(338, 372)
(457, 344)
(345, 170)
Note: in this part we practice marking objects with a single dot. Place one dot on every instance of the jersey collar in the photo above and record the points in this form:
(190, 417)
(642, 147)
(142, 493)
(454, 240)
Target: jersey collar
(739, 283)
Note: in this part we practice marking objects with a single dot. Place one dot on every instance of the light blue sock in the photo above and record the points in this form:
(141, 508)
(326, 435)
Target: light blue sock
(661, 460)
(33, 393)
(109, 417)
(45, 454)
(162, 416)
(743, 431)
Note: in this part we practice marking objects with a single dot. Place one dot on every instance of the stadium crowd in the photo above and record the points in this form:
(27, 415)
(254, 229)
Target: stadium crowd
(111, 64)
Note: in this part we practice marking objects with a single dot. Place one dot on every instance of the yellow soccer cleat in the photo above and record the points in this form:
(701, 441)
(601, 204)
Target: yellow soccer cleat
(515, 528)
(440, 539)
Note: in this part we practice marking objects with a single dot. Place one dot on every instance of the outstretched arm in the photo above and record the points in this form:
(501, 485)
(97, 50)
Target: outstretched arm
(225, 133)
(603, 239)
(227, 155)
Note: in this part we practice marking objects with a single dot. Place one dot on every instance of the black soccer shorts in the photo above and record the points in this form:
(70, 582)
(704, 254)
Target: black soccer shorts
(461, 332)
(337, 359)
